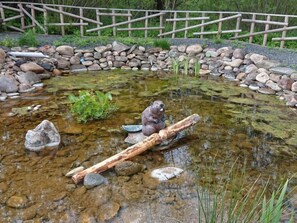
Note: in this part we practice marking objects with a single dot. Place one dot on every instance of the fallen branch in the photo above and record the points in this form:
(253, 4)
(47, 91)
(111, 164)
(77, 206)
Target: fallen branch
(138, 148)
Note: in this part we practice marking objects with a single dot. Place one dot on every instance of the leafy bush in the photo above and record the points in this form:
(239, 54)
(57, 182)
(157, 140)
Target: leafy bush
(164, 44)
(8, 42)
(28, 39)
(89, 105)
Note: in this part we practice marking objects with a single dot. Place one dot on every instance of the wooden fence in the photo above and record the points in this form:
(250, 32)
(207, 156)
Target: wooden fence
(56, 19)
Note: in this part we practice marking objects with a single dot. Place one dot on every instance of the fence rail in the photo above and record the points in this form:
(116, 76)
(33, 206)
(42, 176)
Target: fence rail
(56, 19)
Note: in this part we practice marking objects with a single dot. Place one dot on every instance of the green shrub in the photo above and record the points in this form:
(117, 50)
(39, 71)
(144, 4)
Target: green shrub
(28, 39)
(164, 44)
(8, 42)
(89, 105)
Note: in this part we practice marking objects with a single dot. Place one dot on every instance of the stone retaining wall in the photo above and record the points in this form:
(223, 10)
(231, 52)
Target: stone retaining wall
(18, 75)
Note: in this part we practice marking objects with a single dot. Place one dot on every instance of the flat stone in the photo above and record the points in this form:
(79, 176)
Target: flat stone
(8, 84)
(238, 53)
(65, 50)
(262, 77)
(32, 66)
(87, 63)
(127, 168)
(63, 64)
(93, 179)
(266, 91)
(78, 68)
(274, 86)
(119, 47)
(283, 70)
(194, 49)
(275, 77)
(251, 69)
(254, 87)
(28, 77)
(94, 67)
(234, 63)
(166, 173)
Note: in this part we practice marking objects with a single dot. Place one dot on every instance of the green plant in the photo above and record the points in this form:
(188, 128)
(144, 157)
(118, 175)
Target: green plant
(8, 42)
(163, 43)
(89, 105)
(175, 66)
(186, 65)
(197, 67)
(28, 39)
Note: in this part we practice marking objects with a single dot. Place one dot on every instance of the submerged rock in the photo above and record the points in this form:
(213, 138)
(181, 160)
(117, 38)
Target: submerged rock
(128, 168)
(93, 179)
(166, 173)
(44, 135)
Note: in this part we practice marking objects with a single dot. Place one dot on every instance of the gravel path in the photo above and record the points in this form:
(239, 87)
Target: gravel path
(285, 56)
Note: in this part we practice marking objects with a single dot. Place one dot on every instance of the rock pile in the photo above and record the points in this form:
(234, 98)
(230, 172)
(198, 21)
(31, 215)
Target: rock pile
(250, 70)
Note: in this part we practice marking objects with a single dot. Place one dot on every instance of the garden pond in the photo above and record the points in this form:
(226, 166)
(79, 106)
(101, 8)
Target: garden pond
(238, 127)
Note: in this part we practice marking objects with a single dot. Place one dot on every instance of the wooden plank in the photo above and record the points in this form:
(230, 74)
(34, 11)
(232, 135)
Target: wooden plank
(62, 21)
(81, 13)
(126, 22)
(174, 25)
(282, 43)
(146, 24)
(31, 6)
(114, 32)
(31, 17)
(138, 148)
(217, 32)
(115, 14)
(161, 24)
(23, 16)
(252, 29)
(263, 32)
(220, 26)
(140, 28)
(12, 18)
(266, 29)
(284, 39)
(187, 18)
(72, 15)
(16, 28)
(200, 25)
(98, 20)
(68, 24)
(2, 13)
(264, 22)
(11, 8)
(186, 24)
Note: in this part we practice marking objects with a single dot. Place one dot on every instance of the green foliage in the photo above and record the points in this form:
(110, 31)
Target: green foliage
(186, 65)
(90, 105)
(197, 67)
(8, 42)
(163, 43)
(28, 39)
(175, 65)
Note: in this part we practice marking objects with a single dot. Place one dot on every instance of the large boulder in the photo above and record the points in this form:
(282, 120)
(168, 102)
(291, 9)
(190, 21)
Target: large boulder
(2, 56)
(28, 78)
(31, 66)
(262, 61)
(65, 50)
(194, 49)
(44, 135)
(119, 47)
(8, 84)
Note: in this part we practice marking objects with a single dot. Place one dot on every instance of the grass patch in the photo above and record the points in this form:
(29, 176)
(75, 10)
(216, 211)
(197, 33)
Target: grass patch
(162, 43)
(9, 42)
(28, 39)
(89, 105)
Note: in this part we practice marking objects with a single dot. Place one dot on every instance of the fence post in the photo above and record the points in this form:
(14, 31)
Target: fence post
(174, 24)
(81, 13)
(33, 15)
(161, 24)
(282, 43)
(62, 21)
(129, 25)
(2, 13)
(186, 25)
(220, 26)
(98, 20)
(22, 18)
(45, 21)
(252, 29)
(202, 27)
(237, 25)
(145, 24)
(266, 29)
(114, 32)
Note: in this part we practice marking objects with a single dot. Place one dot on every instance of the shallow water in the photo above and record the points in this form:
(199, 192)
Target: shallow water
(237, 126)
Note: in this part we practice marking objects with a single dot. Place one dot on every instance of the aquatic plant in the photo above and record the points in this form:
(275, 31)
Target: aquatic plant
(175, 66)
(197, 67)
(235, 200)
(186, 65)
(89, 105)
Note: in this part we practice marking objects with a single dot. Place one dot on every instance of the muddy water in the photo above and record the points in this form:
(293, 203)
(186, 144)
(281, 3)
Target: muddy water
(237, 126)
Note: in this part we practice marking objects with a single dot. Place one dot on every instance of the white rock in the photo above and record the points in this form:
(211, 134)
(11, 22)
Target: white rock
(166, 173)
(262, 77)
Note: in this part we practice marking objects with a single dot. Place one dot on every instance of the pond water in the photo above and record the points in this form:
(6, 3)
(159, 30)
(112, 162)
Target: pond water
(257, 132)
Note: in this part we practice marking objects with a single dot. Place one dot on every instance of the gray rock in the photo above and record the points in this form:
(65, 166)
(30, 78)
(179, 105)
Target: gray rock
(262, 77)
(119, 47)
(251, 76)
(44, 76)
(63, 64)
(234, 63)
(8, 84)
(166, 173)
(26, 88)
(211, 53)
(44, 135)
(118, 64)
(254, 87)
(97, 55)
(266, 91)
(294, 87)
(102, 49)
(285, 83)
(251, 68)
(127, 168)
(93, 179)
(65, 50)
(78, 68)
(74, 60)
(194, 49)
(225, 52)
(28, 78)
(121, 58)
(182, 48)
(94, 67)
(283, 70)
(87, 63)
(32, 66)
(2, 56)
(274, 86)
(238, 53)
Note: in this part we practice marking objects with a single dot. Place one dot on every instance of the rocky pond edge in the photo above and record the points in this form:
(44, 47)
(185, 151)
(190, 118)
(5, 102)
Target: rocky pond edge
(20, 73)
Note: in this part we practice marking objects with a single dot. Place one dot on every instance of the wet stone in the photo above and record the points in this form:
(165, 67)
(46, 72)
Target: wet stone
(3, 187)
(17, 202)
(166, 173)
(108, 211)
(93, 179)
(128, 168)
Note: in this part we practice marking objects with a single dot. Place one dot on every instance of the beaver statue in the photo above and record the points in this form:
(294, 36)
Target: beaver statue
(153, 119)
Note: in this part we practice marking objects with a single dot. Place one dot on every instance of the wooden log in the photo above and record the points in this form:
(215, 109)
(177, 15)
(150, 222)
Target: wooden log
(217, 32)
(284, 33)
(284, 39)
(187, 18)
(138, 148)
(265, 22)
